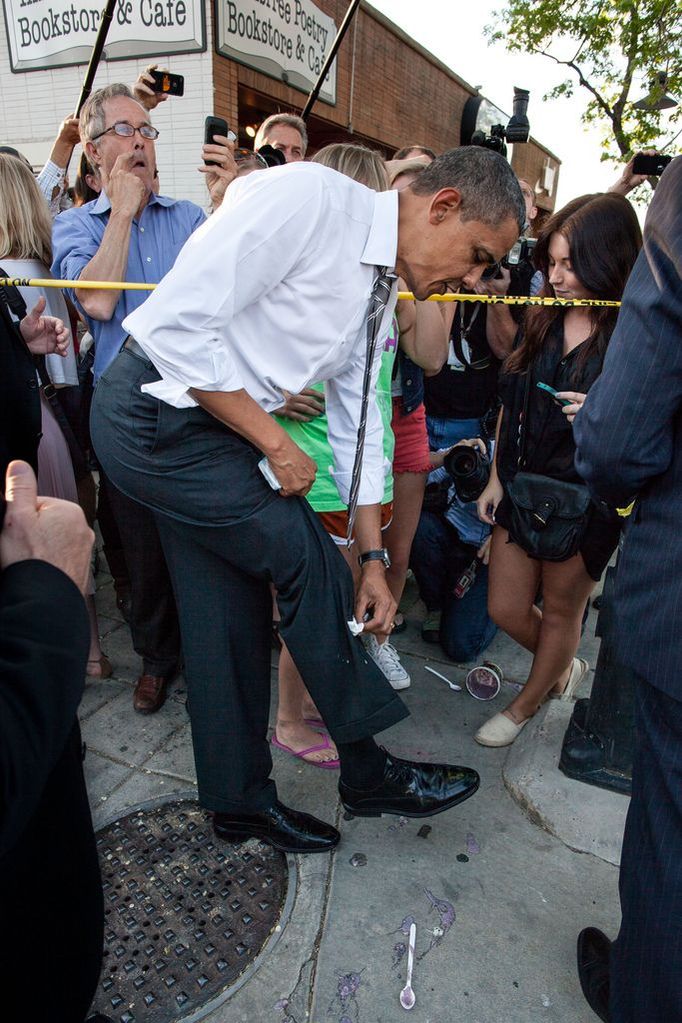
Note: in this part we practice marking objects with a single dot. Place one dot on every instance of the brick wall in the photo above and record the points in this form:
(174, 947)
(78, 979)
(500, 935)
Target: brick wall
(530, 162)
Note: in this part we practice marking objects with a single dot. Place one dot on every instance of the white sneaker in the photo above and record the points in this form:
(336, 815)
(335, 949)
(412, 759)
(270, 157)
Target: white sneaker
(386, 657)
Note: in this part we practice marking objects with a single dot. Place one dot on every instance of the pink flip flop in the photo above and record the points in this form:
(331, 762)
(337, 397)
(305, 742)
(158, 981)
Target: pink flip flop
(328, 765)
(316, 723)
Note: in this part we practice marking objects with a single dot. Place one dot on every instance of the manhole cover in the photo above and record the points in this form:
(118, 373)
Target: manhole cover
(185, 914)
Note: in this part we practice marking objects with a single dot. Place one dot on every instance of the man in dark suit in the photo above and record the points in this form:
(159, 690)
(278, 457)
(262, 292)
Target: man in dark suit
(51, 913)
(629, 440)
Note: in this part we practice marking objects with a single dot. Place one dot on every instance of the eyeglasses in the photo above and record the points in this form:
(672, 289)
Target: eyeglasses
(126, 131)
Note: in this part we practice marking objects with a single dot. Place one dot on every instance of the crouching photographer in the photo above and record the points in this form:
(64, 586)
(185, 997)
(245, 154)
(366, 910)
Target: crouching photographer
(450, 552)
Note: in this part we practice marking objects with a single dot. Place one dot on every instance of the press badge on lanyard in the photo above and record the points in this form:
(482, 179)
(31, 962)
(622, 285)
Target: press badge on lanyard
(454, 362)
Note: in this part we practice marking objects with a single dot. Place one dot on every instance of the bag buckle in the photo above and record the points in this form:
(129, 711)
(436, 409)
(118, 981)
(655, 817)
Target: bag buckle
(543, 514)
(49, 390)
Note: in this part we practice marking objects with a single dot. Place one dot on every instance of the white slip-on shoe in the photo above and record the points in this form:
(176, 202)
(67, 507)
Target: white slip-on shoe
(579, 669)
(499, 730)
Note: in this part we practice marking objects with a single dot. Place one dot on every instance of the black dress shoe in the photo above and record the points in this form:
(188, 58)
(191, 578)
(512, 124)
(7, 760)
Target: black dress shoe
(594, 953)
(287, 830)
(411, 790)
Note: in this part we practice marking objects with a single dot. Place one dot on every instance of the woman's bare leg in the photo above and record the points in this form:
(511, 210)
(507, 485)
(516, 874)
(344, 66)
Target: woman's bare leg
(294, 706)
(513, 584)
(408, 496)
(566, 587)
(295, 703)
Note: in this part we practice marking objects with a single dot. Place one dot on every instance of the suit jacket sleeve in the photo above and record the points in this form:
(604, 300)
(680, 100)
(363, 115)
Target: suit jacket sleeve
(624, 432)
(44, 640)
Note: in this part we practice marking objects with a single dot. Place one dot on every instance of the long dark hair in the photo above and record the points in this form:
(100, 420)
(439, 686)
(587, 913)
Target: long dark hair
(604, 239)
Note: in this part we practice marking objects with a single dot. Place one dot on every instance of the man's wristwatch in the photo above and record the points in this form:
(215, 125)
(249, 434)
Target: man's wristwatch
(380, 555)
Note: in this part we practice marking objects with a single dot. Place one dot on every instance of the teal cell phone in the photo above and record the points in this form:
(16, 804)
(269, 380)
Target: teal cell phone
(553, 393)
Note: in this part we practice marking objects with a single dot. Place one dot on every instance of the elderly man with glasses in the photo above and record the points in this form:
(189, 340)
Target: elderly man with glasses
(129, 233)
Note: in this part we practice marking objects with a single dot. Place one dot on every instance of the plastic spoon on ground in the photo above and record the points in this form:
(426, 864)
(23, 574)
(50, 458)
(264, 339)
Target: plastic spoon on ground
(453, 685)
(407, 997)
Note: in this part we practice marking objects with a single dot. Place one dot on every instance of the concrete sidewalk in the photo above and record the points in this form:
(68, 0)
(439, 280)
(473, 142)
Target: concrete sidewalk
(497, 899)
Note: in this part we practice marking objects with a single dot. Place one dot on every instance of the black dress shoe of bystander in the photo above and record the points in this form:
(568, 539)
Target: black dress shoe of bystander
(594, 953)
(411, 789)
(288, 830)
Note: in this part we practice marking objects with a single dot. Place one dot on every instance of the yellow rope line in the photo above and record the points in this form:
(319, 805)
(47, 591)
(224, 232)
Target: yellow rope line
(50, 282)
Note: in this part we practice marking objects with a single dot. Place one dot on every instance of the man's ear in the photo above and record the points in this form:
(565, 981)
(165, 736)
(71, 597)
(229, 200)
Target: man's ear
(94, 159)
(443, 204)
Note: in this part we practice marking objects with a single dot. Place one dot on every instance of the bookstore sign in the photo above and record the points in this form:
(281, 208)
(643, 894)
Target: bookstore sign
(57, 33)
(285, 39)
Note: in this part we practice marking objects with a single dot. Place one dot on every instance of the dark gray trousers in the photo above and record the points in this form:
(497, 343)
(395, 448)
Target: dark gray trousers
(227, 535)
(646, 958)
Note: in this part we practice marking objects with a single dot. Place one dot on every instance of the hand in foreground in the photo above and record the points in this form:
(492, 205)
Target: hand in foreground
(43, 528)
(483, 552)
(222, 170)
(304, 406)
(294, 470)
(44, 334)
(489, 500)
(143, 92)
(374, 599)
(577, 400)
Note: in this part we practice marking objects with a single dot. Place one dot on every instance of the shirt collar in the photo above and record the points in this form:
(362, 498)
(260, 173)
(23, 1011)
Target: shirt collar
(382, 242)
(102, 204)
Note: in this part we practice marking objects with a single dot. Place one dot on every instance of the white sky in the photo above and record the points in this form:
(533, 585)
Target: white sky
(453, 31)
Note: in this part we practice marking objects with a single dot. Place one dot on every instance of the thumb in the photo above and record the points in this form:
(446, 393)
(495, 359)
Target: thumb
(38, 309)
(21, 488)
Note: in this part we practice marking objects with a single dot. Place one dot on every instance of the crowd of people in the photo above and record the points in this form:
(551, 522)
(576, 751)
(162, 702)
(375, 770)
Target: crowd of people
(277, 441)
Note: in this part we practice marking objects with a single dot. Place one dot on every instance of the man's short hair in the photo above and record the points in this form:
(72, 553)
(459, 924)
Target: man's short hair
(402, 154)
(92, 120)
(291, 120)
(488, 186)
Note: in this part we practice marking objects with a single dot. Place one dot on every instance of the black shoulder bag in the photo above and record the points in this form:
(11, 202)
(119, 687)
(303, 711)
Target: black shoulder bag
(548, 517)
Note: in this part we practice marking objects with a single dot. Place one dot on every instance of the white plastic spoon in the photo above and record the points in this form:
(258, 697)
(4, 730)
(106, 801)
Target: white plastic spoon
(407, 997)
(453, 685)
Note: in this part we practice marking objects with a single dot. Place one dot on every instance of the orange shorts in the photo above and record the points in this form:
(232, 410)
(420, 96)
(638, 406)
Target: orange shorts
(336, 522)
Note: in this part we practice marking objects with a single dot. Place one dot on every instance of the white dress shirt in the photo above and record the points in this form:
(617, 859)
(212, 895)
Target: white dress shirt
(271, 294)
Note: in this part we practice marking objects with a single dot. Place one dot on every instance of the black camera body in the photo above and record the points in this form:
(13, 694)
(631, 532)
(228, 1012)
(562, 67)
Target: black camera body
(520, 252)
(469, 471)
(517, 130)
(273, 157)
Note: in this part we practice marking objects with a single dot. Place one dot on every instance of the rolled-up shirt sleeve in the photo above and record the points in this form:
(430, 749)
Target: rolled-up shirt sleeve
(73, 246)
(243, 251)
(343, 402)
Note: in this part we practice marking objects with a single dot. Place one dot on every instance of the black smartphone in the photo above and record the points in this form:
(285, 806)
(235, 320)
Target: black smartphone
(214, 126)
(171, 85)
(653, 166)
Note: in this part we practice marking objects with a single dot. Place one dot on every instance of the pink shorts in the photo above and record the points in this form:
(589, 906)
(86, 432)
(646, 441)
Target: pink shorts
(411, 439)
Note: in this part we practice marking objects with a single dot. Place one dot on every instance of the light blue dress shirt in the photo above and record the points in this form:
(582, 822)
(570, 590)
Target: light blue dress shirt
(155, 241)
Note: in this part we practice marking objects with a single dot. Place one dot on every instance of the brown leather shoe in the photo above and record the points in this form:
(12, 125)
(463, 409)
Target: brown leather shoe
(150, 693)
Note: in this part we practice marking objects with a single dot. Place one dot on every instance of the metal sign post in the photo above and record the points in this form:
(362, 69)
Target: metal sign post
(329, 59)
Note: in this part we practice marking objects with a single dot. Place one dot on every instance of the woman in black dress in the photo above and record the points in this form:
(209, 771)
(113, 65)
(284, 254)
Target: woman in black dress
(586, 251)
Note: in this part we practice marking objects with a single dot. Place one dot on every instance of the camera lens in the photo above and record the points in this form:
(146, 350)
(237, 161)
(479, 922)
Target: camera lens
(469, 470)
